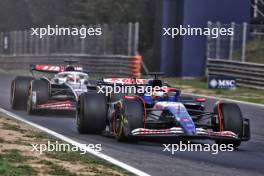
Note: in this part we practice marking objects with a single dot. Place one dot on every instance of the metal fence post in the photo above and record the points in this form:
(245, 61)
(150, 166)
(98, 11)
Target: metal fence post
(244, 41)
(209, 25)
(7, 48)
(55, 44)
(231, 45)
(82, 42)
(208, 47)
(20, 42)
(15, 43)
(75, 43)
(36, 45)
(136, 38)
(218, 42)
(105, 30)
(129, 44)
(25, 40)
(255, 6)
(31, 42)
(48, 45)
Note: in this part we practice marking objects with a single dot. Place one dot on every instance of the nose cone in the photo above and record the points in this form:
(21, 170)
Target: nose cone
(184, 119)
(187, 125)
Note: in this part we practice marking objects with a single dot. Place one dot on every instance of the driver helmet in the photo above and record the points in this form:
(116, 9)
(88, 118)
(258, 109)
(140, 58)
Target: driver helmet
(69, 68)
(158, 94)
(78, 79)
(70, 79)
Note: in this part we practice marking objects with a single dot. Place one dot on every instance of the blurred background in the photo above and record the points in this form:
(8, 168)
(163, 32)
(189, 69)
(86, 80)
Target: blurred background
(132, 34)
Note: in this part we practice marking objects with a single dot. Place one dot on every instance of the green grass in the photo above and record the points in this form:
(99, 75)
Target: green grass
(195, 83)
(200, 85)
(55, 169)
(43, 136)
(37, 135)
(254, 52)
(8, 126)
(21, 142)
(14, 155)
(13, 163)
(7, 169)
(71, 156)
(7, 164)
(84, 159)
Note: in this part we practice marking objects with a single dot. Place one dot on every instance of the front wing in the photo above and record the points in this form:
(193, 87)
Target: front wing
(57, 105)
(177, 132)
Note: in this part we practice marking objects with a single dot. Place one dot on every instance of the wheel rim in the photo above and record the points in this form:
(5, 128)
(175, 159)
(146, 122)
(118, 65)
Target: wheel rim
(29, 102)
(118, 126)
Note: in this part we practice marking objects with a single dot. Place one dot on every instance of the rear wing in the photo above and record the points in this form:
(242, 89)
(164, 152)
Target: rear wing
(47, 68)
(52, 68)
(125, 81)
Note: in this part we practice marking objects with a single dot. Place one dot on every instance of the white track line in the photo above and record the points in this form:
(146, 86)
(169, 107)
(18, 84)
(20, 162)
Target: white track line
(70, 141)
(226, 99)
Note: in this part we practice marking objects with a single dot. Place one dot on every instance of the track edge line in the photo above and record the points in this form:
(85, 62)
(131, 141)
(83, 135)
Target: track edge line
(100, 155)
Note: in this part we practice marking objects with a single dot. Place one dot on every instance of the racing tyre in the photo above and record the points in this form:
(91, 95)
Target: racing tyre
(131, 117)
(232, 121)
(38, 94)
(91, 115)
(19, 92)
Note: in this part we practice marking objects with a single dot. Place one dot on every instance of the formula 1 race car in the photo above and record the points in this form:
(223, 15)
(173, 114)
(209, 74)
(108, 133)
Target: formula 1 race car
(164, 113)
(60, 92)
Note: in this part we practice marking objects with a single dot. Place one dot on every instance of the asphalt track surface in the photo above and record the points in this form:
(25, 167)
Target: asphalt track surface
(149, 156)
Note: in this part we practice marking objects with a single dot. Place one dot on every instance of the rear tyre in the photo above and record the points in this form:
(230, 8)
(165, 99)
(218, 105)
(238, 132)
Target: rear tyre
(91, 115)
(232, 121)
(38, 94)
(131, 117)
(19, 92)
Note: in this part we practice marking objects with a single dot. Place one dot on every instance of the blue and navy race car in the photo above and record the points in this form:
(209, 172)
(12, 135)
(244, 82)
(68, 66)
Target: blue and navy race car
(159, 113)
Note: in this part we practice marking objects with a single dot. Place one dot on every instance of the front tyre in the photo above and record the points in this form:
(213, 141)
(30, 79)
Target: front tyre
(232, 121)
(38, 94)
(129, 116)
(91, 115)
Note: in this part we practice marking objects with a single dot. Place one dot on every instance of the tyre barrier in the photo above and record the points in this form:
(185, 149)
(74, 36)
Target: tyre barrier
(103, 65)
(135, 65)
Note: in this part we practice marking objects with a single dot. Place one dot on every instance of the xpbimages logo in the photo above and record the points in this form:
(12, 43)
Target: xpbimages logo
(129, 89)
(191, 147)
(82, 32)
(197, 31)
(61, 147)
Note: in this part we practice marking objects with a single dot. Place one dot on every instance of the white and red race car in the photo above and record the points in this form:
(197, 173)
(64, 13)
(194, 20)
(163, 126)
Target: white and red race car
(44, 94)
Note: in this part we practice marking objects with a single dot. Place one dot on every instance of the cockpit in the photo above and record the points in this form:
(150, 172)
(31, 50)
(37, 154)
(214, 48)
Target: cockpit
(72, 78)
(160, 91)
